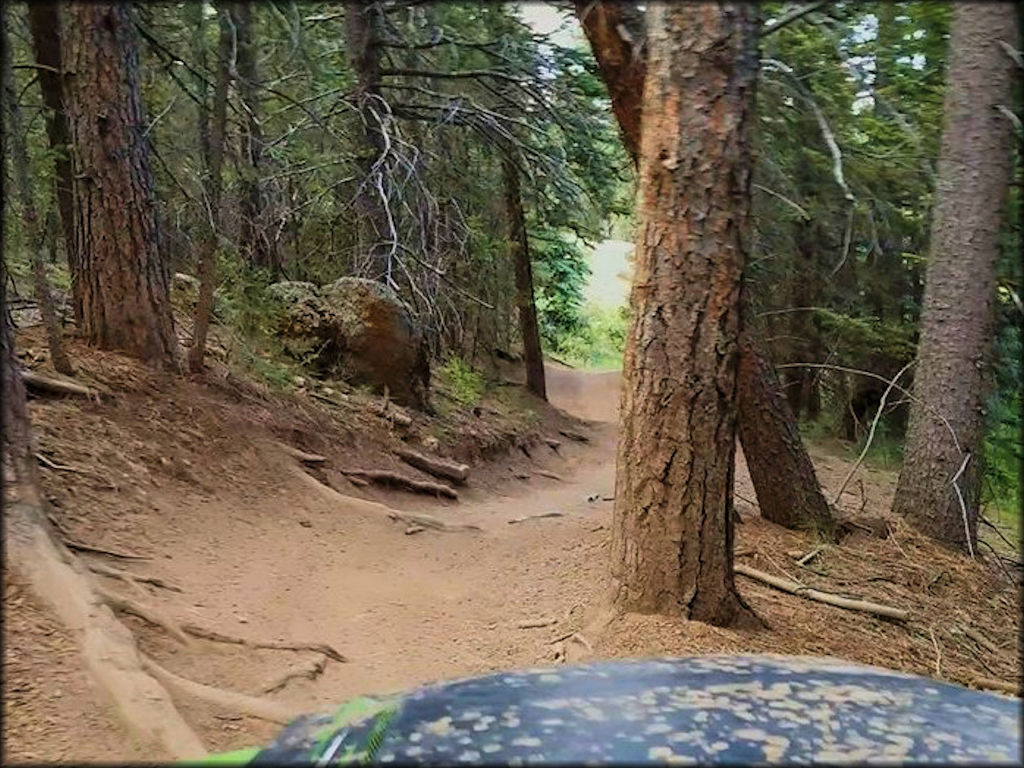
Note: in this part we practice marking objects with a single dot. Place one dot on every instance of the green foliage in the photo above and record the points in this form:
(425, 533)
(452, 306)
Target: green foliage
(464, 382)
(597, 341)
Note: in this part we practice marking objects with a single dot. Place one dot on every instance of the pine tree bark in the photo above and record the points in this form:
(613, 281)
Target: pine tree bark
(256, 245)
(617, 34)
(672, 533)
(126, 279)
(35, 233)
(533, 356)
(214, 162)
(960, 281)
(45, 27)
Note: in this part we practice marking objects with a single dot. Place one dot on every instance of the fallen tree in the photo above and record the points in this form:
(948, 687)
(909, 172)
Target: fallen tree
(450, 470)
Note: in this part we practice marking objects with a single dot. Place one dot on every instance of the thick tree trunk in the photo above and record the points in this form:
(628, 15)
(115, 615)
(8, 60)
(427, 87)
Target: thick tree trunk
(960, 282)
(672, 533)
(212, 218)
(362, 32)
(45, 26)
(254, 239)
(616, 31)
(125, 290)
(771, 443)
(35, 233)
(533, 356)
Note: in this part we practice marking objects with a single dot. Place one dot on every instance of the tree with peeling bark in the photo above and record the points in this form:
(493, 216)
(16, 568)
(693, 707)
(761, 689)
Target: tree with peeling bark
(126, 279)
(672, 533)
(939, 488)
(768, 430)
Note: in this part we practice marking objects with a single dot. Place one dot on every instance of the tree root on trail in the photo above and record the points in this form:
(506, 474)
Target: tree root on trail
(49, 385)
(431, 522)
(536, 623)
(574, 436)
(273, 645)
(131, 577)
(800, 590)
(307, 458)
(146, 613)
(309, 672)
(384, 477)
(239, 702)
(80, 547)
(545, 473)
(457, 473)
(524, 518)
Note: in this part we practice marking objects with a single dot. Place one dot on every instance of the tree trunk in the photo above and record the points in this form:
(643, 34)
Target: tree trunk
(45, 26)
(771, 443)
(260, 249)
(672, 533)
(125, 287)
(960, 281)
(363, 30)
(614, 28)
(533, 356)
(214, 161)
(35, 236)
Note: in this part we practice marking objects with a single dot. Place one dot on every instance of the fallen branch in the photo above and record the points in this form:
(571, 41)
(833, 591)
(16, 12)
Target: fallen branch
(574, 436)
(453, 471)
(981, 640)
(310, 672)
(78, 546)
(545, 473)
(239, 702)
(384, 477)
(810, 556)
(46, 462)
(553, 444)
(515, 520)
(427, 521)
(144, 612)
(40, 383)
(536, 623)
(131, 577)
(273, 645)
(295, 453)
(997, 685)
(822, 597)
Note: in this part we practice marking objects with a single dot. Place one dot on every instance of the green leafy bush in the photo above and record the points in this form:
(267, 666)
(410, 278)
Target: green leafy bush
(464, 382)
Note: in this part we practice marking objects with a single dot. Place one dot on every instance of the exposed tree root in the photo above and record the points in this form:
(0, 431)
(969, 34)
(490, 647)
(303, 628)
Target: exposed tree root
(997, 685)
(545, 473)
(457, 473)
(37, 382)
(147, 613)
(309, 672)
(431, 522)
(273, 645)
(574, 436)
(536, 623)
(384, 477)
(80, 547)
(107, 646)
(238, 702)
(524, 518)
(800, 590)
(307, 458)
(131, 577)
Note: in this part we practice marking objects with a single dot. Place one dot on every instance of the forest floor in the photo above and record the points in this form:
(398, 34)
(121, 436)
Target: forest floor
(191, 476)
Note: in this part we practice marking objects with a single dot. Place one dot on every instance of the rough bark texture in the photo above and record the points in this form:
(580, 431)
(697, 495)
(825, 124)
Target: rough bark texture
(214, 160)
(960, 281)
(615, 28)
(771, 441)
(363, 32)
(36, 240)
(254, 238)
(617, 34)
(533, 356)
(672, 534)
(125, 287)
(45, 26)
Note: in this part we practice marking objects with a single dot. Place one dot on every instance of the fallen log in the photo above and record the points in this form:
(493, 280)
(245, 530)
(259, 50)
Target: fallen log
(383, 477)
(40, 383)
(457, 473)
(822, 597)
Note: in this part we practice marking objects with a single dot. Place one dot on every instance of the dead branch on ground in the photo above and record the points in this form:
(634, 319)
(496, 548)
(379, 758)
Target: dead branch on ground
(49, 385)
(457, 473)
(431, 522)
(539, 516)
(384, 477)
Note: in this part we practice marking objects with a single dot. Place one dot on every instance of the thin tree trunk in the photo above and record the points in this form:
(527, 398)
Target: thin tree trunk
(45, 26)
(255, 243)
(617, 36)
(960, 281)
(363, 31)
(35, 236)
(672, 535)
(126, 285)
(208, 250)
(533, 355)
(770, 440)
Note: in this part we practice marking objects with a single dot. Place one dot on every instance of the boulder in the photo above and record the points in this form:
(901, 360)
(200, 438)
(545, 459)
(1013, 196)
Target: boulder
(359, 330)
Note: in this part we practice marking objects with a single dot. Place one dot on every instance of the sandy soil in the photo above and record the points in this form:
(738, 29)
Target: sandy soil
(262, 550)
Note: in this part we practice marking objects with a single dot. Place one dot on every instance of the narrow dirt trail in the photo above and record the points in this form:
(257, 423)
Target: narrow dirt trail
(300, 563)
